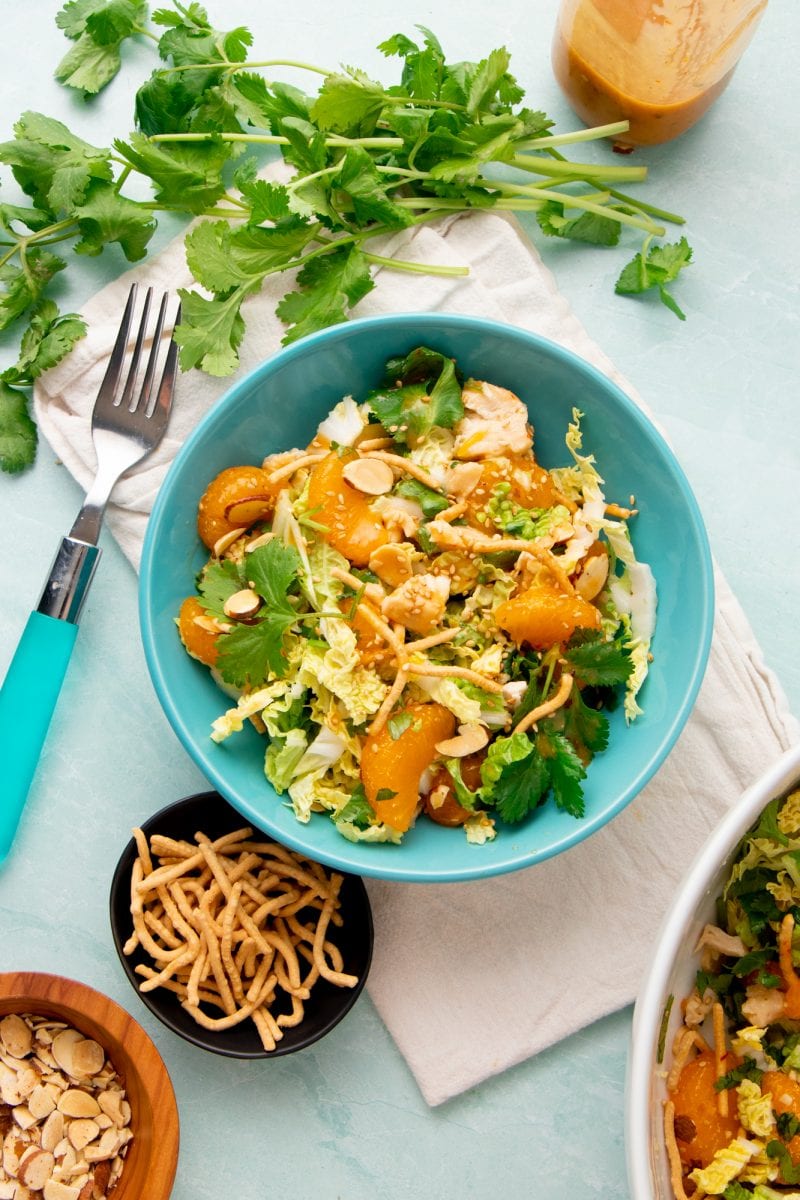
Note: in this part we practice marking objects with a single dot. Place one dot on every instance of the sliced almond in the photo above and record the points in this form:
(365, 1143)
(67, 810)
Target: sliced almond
(111, 1104)
(8, 1189)
(27, 1079)
(63, 1045)
(247, 511)
(54, 1190)
(82, 1131)
(16, 1036)
(53, 1130)
(102, 1178)
(9, 1089)
(468, 740)
(88, 1057)
(242, 604)
(393, 563)
(35, 1168)
(462, 479)
(108, 1145)
(24, 1117)
(41, 1101)
(77, 1103)
(371, 476)
(261, 540)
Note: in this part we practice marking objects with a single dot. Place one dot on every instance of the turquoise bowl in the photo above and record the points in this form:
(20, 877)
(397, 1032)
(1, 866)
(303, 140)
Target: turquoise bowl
(279, 405)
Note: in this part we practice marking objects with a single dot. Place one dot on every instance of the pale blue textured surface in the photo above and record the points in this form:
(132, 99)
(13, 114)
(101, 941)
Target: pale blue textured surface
(345, 1120)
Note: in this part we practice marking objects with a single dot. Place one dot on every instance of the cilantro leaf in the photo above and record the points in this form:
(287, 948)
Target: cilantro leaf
(789, 1172)
(210, 331)
(17, 430)
(410, 411)
(106, 216)
(250, 654)
(589, 227)
(349, 104)
(788, 1125)
(565, 769)
(521, 785)
(51, 164)
(768, 826)
(222, 258)
(596, 662)
(218, 581)
(655, 268)
(185, 175)
(98, 28)
(22, 288)
(584, 725)
(357, 810)
(329, 285)
(48, 338)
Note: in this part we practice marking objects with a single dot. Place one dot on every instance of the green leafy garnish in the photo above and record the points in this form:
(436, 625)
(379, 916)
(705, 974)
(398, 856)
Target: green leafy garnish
(597, 662)
(789, 1172)
(788, 1125)
(251, 653)
(357, 810)
(424, 391)
(368, 159)
(655, 268)
(519, 771)
(747, 1069)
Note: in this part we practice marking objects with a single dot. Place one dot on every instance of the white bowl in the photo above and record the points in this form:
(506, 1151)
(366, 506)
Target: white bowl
(672, 973)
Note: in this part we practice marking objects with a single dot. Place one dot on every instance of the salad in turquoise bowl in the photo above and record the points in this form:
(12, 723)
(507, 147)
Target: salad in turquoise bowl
(427, 597)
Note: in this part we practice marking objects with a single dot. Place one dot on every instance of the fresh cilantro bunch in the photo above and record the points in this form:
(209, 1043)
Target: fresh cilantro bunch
(367, 160)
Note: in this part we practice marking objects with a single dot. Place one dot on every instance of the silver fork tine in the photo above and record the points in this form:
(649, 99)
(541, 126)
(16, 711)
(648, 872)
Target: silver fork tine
(128, 393)
(114, 369)
(143, 403)
(166, 388)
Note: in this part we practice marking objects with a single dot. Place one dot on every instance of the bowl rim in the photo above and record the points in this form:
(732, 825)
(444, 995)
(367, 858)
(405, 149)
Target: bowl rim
(649, 1005)
(388, 867)
(204, 1039)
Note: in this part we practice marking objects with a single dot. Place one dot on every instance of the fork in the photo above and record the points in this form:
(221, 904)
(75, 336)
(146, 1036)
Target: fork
(128, 421)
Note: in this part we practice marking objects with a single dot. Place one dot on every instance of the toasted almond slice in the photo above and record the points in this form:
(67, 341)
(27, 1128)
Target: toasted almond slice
(261, 540)
(27, 1079)
(111, 1105)
(53, 1130)
(108, 1145)
(63, 1045)
(16, 1036)
(54, 1190)
(226, 540)
(41, 1101)
(82, 1131)
(468, 740)
(102, 1178)
(35, 1168)
(9, 1087)
(77, 1103)
(88, 1057)
(369, 475)
(242, 604)
(8, 1189)
(23, 1116)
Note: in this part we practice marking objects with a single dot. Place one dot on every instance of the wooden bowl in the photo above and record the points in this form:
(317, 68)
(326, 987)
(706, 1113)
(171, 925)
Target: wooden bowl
(152, 1156)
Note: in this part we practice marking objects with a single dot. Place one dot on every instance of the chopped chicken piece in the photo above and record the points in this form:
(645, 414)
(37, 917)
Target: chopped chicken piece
(763, 1005)
(716, 939)
(698, 1007)
(495, 422)
(462, 479)
(401, 518)
(419, 603)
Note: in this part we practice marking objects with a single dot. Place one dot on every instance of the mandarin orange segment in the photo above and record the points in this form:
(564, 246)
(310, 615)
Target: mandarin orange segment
(353, 529)
(370, 646)
(696, 1099)
(235, 499)
(543, 615)
(396, 764)
(785, 1093)
(199, 640)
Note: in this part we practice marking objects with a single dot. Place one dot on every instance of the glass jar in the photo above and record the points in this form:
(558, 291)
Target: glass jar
(658, 64)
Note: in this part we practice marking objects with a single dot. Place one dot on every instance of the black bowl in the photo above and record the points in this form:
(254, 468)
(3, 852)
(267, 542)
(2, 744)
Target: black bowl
(327, 1005)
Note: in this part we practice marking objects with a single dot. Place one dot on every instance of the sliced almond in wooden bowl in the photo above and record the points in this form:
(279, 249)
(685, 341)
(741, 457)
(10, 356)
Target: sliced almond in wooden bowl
(98, 1106)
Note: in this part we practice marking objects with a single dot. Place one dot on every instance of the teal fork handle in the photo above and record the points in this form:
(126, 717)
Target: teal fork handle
(27, 700)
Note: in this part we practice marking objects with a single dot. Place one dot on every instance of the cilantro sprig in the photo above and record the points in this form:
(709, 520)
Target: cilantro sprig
(367, 159)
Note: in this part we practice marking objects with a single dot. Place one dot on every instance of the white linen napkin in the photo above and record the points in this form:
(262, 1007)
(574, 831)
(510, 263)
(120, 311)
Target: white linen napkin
(473, 978)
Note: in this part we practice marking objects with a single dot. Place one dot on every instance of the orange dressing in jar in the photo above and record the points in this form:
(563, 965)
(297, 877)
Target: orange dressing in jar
(658, 64)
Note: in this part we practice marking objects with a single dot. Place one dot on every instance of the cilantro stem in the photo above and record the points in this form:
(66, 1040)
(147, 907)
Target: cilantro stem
(397, 264)
(227, 65)
(577, 135)
(589, 171)
(270, 139)
(642, 206)
(514, 195)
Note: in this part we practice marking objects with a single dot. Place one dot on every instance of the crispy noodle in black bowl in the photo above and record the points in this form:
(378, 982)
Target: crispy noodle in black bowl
(209, 813)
